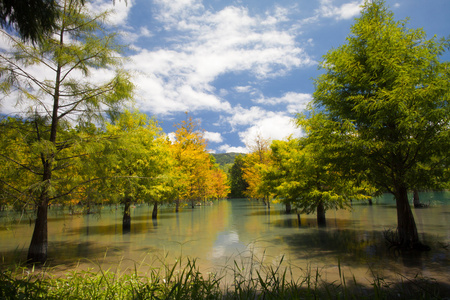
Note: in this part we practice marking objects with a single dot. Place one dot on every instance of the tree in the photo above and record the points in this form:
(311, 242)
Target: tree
(192, 162)
(282, 178)
(31, 18)
(322, 183)
(237, 183)
(255, 163)
(79, 47)
(388, 82)
(138, 161)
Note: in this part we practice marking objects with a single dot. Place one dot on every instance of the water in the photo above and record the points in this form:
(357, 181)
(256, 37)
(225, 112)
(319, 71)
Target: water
(241, 230)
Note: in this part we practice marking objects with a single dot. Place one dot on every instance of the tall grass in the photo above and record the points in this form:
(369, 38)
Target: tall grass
(246, 279)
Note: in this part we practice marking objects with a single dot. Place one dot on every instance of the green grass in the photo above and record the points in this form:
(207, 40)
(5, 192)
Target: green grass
(246, 279)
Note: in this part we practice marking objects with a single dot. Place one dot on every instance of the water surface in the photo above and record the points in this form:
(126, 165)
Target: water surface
(243, 231)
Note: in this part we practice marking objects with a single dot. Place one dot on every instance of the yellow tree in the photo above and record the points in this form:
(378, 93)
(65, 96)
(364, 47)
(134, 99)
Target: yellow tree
(192, 162)
(218, 187)
(255, 163)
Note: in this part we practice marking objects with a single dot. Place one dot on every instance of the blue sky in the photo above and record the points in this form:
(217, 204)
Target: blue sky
(241, 68)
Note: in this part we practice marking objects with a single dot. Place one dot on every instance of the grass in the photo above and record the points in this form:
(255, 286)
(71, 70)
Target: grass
(246, 279)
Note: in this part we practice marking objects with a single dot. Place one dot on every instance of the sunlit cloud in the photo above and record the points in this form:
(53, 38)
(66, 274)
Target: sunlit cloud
(345, 11)
(213, 137)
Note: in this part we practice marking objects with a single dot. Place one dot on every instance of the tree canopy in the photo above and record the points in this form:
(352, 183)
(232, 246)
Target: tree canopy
(79, 47)
(389, 83)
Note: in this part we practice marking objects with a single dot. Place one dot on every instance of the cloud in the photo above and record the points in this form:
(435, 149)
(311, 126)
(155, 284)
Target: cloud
(228, 149)
(275, 126)
(131, 36)
(213, 137)
(119, 10)
(295, 102)
(181, 76)
(344, 12)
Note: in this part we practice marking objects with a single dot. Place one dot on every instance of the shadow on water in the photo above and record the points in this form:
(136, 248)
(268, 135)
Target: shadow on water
(362, 247)
(68, 254)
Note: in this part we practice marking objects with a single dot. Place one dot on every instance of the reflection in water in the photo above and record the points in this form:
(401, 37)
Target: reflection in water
(231, 229)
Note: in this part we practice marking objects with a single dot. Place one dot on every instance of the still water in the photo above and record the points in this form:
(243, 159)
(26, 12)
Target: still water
(238, 230)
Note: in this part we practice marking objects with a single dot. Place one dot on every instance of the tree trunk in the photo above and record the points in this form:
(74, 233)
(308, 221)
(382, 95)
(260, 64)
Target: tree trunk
(37, 253)
(177, 205)
(370, 201)
(126, 223)
(406, 226)
(288, 207)
(155, 211)
(416, 200)
(192, 204)
(321, 220)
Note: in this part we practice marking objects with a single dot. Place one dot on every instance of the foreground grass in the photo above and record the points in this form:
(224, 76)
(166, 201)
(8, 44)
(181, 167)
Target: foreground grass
(185, 281)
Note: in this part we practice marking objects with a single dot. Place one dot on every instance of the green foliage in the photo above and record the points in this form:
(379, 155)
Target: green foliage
(389, 83)
(303, 171)
(225, 158)
(184, 280)
(78, 48)
(31, 18)
(388, 87)
(237, 183)
(137, 161)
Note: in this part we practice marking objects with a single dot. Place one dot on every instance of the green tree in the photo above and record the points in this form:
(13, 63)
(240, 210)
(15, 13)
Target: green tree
(388, 81)
(79, 46)
(323, 184)
(31, 18)
(138, 162)
(237, 183)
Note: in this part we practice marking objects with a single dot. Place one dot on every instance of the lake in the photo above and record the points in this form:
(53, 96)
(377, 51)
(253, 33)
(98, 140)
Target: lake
(243, 231)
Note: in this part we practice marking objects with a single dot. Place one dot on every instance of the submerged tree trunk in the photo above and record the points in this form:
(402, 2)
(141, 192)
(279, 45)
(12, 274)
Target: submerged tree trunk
(126, 223)
(321, 220)
(288, 207)
(406, 226)
(37, 252)
(155, 210)
(416, 200)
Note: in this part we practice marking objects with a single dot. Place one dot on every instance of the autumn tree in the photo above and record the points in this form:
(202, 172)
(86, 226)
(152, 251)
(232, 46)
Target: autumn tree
(62, 90)
(192, 162)
(255, 163)
(389, 83)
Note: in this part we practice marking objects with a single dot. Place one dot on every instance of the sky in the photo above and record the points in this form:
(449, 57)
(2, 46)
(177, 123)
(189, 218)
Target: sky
(240, 68)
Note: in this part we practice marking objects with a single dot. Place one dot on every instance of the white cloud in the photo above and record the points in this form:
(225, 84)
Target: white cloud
(227, 149)
(345, 11)
(214, 137)
(242, 116)
(275, 126)
(119, 10)
(5, 42)
(180, 77)
(131, 36)
(296, 102)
